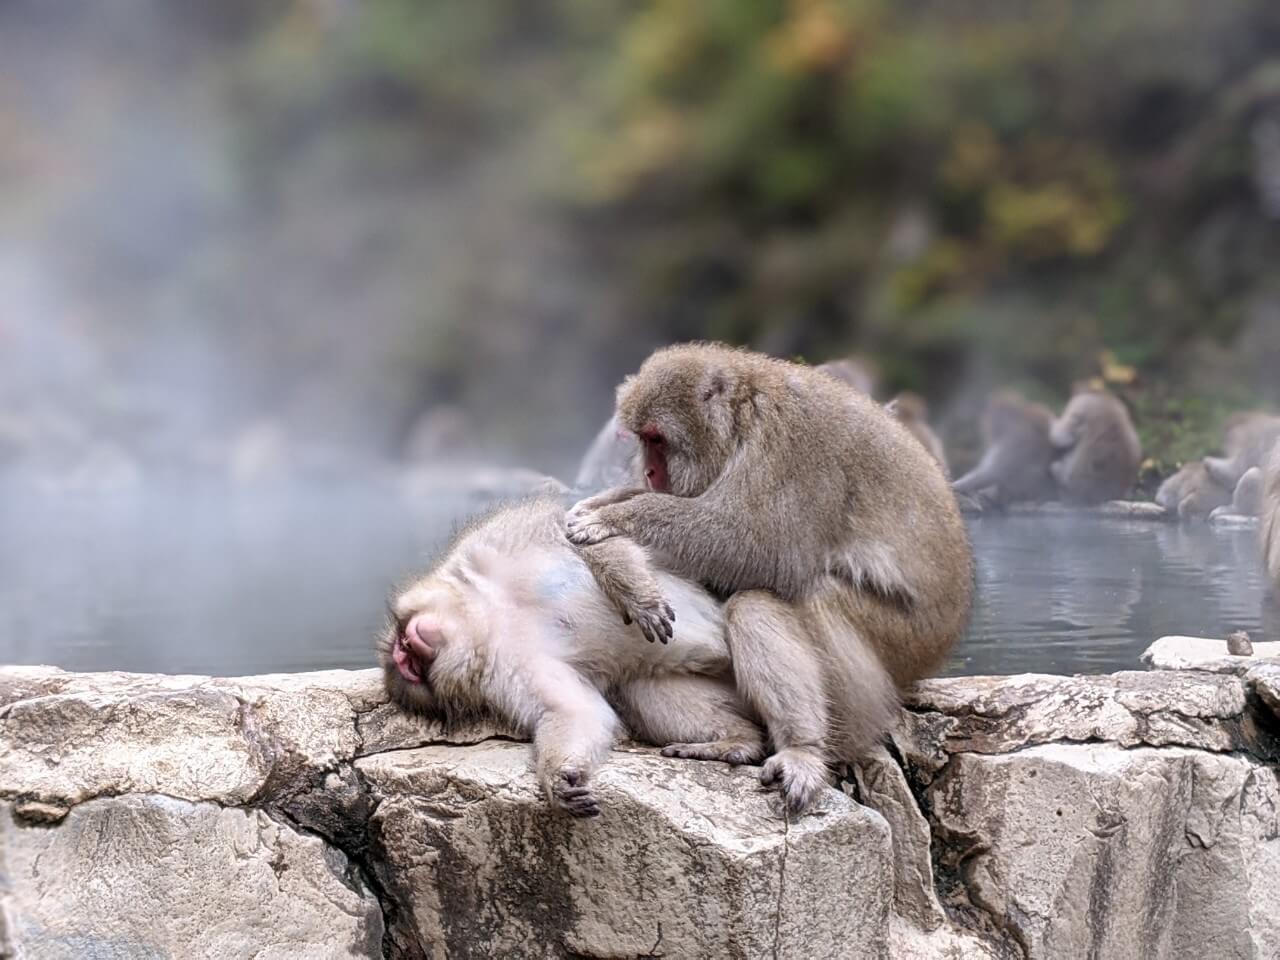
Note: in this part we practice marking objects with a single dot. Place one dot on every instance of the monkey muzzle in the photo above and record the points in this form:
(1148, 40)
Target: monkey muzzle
(655, 459)
(416, 647)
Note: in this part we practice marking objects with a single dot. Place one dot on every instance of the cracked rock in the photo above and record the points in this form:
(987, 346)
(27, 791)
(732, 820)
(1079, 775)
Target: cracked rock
(1092, 850)
(150, 876)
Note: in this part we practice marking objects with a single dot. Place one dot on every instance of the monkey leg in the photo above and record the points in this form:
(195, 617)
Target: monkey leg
(622, 571)
(780, 676)
(691, 716)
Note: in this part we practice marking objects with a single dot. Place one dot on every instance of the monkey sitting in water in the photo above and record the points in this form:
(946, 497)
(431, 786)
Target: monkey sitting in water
(1099, 451)
(516, 622)
(1015, 466)
(1192, 493)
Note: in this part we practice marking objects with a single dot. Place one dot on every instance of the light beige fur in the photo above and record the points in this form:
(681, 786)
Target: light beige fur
(553, 640)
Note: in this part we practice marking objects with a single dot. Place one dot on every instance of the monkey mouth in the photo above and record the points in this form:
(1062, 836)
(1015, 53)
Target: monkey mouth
(405, 661)
(655, 461)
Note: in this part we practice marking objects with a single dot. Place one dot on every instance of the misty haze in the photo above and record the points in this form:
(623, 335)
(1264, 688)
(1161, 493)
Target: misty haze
(289, 292)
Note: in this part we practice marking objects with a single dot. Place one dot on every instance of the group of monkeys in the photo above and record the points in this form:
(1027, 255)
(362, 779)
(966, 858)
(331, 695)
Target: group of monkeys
(774, 556)
(778, 558)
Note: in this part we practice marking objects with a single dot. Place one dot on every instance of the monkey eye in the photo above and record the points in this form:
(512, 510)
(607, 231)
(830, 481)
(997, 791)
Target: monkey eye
(651, 435)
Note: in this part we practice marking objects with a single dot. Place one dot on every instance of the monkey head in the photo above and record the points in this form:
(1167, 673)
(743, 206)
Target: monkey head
(1005, 413)
(431, 647)
(687, 413)
(908, 406)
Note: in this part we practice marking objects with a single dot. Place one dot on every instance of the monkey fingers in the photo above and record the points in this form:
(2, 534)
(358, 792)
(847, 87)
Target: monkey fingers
(587, 527)
(655, 620)
(572, 795)
(734, 752)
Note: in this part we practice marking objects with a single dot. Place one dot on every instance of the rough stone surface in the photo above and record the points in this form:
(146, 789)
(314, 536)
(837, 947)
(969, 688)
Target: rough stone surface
(1091, 850)
(1113, 509)
(150, 876)
(302, 816)
(1205, 653)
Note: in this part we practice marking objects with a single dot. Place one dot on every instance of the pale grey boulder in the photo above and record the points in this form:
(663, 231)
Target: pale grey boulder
(687, 860)
(1092, 850)
(304, 816)
(145, 876)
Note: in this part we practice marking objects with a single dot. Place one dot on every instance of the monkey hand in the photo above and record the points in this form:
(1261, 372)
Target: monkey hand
(586, 524)
(567, 790)
(654, 616)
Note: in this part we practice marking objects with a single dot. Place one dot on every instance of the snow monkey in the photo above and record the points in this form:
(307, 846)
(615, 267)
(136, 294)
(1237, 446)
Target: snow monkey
(827, 525)
(1271, 518)
(1015, 464)
(912, 412)
(1099, 451)
(1248, 440)
(517, 623)
(1192, 493)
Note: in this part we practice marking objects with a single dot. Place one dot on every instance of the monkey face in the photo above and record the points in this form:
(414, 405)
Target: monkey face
(428, 651)
(685, 416)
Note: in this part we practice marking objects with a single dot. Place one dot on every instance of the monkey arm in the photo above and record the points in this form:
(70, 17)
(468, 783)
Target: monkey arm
(573, 730)
(986, 474)
(1062, 433)
(622, 571)
(709, 540)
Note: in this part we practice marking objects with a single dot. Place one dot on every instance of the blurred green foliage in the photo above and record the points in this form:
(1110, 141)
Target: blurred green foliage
(975, 194)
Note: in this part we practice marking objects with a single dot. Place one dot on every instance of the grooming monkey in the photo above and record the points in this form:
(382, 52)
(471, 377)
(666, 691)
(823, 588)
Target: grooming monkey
(912, 412)
(1099, 451)
(832, 531)
(1015, 464)
(516, 622)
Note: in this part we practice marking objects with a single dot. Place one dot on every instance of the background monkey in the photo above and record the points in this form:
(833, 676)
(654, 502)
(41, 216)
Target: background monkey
(833, 531)
(1271, 517)
(515, 622)
(1100, 454)
(1015, 464)
(1192, 493)
(852, 372)
(1247, 442)
(912, 412)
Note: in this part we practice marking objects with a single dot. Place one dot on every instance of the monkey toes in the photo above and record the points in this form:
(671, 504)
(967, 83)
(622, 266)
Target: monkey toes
(569, 792)
(735, 752)
(800, 774)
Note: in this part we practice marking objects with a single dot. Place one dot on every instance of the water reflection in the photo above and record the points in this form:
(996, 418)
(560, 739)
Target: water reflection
(1078, 594)
(225, 583)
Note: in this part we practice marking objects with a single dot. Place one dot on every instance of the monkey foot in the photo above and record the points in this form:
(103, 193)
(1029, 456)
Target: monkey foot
(736, 752)
(800, 774)
(568, 790)
(654, 619)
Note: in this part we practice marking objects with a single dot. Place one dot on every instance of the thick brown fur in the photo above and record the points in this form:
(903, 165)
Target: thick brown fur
(1271, 517)
(1248, 439)
(1099, 451)
(912, 412)
(1015, 464)
(1192, 493)
(552, 639)
(830, 527)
